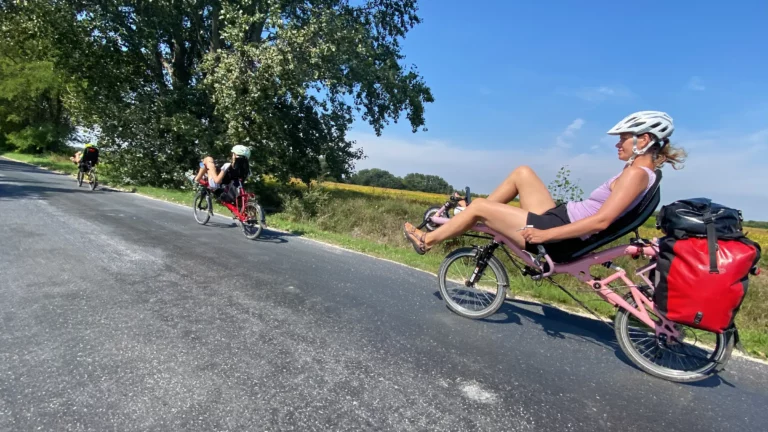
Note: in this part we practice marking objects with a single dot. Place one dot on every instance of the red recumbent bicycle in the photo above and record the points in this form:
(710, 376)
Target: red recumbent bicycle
(245, 209)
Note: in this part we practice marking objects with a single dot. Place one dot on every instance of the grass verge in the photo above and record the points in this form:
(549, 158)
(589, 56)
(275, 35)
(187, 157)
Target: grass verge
(371, 223)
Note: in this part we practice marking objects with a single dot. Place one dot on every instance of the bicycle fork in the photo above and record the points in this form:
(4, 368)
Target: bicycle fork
(483, 255)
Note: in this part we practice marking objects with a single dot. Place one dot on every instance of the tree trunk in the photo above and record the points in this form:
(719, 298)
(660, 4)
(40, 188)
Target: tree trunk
(215, 38)
(254, 32)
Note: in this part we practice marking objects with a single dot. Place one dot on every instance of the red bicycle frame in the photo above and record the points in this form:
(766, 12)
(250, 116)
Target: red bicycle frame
(241, 200)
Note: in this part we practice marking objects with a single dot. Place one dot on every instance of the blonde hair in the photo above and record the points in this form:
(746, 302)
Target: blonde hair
(669, 154)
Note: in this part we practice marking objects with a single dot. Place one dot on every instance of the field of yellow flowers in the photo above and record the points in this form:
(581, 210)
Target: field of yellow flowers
(412, 196)
(429, 199)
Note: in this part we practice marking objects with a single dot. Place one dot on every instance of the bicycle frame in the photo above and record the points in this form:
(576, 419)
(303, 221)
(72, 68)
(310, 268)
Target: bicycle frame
(90, 168)
(241, 200)
(580, 270)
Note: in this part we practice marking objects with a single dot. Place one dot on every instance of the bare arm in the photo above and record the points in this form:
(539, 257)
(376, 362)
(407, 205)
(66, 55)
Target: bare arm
(628, 187)
(220, 176)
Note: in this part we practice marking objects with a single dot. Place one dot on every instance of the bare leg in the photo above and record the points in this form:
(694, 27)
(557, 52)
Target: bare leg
(494, 210)
(501, 217)
(210, 166)
(523, 182)
(200, 173)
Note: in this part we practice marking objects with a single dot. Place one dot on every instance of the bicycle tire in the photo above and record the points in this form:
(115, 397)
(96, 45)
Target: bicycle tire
(79, 177)
(202, 215)
(254, 213)
(494, 264)
(92, 180)
(720, 356)
(432, 211)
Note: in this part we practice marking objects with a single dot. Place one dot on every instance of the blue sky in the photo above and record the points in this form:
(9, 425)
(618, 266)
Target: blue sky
(539, 83)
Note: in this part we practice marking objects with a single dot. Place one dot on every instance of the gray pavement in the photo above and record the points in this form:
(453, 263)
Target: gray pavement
(119, 312)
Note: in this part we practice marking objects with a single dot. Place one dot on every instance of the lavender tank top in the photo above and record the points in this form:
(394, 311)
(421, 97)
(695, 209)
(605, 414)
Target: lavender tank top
(578, 210)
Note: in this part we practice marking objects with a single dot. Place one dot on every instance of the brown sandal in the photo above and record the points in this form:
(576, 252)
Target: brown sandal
(416, 237)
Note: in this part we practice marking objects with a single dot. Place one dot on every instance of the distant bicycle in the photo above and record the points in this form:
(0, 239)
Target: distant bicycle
(90, 173)
(245, 209)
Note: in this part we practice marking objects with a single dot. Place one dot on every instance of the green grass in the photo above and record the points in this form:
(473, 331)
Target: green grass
(372, 224)
(51, 161)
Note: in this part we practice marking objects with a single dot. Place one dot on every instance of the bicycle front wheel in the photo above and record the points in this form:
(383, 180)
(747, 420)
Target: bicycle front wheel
(202, 206)
(252, 225)
(472, 300)
(695, 357)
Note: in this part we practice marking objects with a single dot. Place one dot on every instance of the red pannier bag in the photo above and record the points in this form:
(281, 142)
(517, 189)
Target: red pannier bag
(704, 262)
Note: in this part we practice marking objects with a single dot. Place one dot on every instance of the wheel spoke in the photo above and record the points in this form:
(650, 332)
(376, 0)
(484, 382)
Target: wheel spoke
(683, 361)
(479, 299)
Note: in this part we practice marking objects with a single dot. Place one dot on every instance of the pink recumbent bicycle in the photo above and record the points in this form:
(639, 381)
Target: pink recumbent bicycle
(655, 344)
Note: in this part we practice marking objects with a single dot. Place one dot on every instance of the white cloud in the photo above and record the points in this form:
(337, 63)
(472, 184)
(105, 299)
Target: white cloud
(485, 91)
(696, 84)
(599, 94)
(562, 139)
(574, 126)
(735, 178)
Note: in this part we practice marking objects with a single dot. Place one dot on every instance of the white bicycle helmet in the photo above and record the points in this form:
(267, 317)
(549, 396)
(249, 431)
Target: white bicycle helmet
(657, 123)
(241, 150)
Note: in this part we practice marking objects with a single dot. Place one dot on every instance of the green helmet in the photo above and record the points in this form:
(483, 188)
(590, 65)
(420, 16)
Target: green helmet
(241, 150)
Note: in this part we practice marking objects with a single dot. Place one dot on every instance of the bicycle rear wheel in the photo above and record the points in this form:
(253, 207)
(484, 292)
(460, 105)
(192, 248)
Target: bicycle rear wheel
(252, 226)
(477, 300)
(79, 177)
(92, 180)
(677, 361)
(202, 207)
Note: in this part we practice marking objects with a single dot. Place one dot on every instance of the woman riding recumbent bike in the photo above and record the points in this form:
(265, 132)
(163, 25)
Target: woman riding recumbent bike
(226, 185)
(225, 180)
(547, 239)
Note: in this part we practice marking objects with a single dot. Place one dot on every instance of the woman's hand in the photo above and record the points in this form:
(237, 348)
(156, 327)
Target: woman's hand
(535, 236)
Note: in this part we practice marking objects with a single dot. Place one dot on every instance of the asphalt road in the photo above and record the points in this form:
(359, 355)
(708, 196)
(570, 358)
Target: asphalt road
(118, 312)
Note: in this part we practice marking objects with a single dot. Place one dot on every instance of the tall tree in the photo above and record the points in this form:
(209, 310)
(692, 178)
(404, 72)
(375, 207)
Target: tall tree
(168, 80)
(32, 113)
(377, 177)
(426, 183)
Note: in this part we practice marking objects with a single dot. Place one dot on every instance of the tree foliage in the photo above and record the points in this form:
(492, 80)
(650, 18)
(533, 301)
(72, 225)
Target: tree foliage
(378, 178)
(413, 181)
(32, 114)
(426, 183)
(171, 80)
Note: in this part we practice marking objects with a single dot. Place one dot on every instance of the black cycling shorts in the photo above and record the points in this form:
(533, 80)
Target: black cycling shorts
(561, 250)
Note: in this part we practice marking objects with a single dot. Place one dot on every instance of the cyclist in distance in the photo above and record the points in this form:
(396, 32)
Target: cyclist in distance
(90, 154)
(220, 178)
(643, 143)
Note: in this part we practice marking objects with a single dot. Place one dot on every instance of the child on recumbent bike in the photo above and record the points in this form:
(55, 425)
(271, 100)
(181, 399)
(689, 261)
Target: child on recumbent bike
(225, 181)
